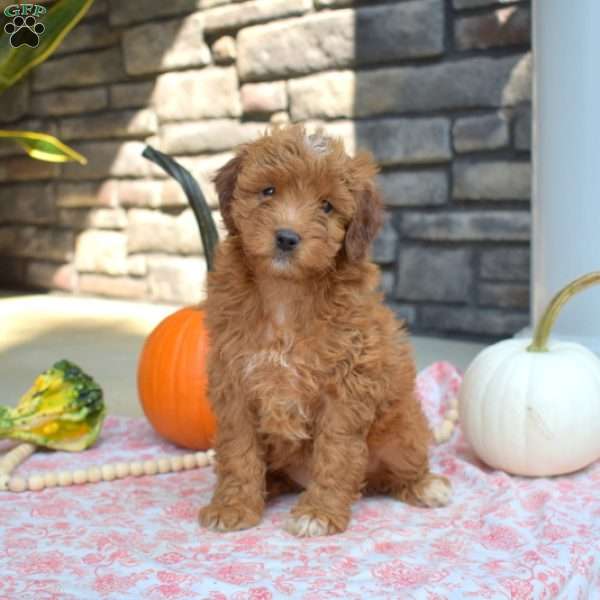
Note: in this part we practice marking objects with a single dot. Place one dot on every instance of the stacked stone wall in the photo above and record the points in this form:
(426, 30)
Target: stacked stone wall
(438, 90)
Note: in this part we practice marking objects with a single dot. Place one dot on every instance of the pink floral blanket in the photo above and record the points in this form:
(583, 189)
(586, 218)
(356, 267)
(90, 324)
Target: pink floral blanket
(502, 537)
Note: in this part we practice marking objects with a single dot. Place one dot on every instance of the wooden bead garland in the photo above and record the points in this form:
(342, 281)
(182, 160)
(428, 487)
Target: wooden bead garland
(165, 464)
(11, 460)
(94, 474)
(444, 431)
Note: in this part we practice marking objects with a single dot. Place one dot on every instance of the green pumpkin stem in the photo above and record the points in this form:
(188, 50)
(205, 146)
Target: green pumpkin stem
(544, 327)
(206, 223)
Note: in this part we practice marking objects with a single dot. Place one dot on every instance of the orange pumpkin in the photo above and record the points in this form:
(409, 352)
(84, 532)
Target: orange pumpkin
(172, 380)
(172, 377)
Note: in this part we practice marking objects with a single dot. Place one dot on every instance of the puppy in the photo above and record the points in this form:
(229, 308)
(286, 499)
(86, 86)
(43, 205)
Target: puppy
(310, 377)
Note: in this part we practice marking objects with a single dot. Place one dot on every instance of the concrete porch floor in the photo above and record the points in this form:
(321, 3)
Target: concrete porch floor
(105, 337)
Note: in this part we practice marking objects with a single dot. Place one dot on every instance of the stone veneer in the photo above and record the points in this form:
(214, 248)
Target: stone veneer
(438, 90)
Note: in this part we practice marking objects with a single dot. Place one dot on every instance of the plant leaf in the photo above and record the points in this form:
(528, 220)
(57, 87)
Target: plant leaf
(43, 146)
(58, 21)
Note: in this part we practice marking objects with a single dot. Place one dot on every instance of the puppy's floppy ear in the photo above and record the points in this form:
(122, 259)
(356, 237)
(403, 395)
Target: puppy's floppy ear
(368, 216)
(225, 180)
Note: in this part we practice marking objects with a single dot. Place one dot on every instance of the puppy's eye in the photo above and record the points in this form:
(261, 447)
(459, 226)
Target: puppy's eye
(327, 206)
(267, 192)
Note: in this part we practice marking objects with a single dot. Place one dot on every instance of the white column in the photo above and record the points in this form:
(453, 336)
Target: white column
(566, 161)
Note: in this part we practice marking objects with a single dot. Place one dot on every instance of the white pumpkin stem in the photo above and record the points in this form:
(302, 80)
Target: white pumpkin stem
(544, 327)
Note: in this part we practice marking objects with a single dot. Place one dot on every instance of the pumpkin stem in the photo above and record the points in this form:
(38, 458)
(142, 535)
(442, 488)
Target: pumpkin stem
(206, 223)
(544, 327)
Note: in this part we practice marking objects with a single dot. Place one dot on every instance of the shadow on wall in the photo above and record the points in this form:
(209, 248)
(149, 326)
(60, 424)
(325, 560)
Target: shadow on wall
(441, 97)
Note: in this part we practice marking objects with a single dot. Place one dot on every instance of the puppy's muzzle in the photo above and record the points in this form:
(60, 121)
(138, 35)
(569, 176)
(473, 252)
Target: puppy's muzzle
(286, 239)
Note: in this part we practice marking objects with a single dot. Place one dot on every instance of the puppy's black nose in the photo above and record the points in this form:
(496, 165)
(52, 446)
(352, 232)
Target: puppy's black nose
(286, 239)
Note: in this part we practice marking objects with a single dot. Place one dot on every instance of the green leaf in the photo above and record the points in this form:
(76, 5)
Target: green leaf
(43, 146)
(58, 21)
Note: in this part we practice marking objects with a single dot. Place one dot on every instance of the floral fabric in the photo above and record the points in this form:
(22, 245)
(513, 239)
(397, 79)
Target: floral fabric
(502, 537)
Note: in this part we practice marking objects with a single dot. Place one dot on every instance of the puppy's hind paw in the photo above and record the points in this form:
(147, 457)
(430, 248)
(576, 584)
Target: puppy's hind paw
(434, 491)
(224, 517)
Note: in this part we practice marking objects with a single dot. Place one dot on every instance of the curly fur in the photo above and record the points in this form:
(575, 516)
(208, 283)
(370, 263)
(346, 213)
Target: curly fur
(310, 376)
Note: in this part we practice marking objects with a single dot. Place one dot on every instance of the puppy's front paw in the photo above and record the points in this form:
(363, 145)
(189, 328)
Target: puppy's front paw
(311, 523)
(228, 517)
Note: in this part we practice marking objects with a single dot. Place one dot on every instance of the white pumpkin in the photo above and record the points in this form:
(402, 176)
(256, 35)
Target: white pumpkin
(532, 408)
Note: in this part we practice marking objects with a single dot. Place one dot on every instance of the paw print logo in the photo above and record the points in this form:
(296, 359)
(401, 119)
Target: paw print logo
(24, 31)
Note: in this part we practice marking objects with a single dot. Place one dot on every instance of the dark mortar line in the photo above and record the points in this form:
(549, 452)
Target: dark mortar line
(488, 9)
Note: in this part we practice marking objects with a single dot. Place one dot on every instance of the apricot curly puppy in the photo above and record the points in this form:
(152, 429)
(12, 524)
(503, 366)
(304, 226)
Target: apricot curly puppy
(311, 378)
